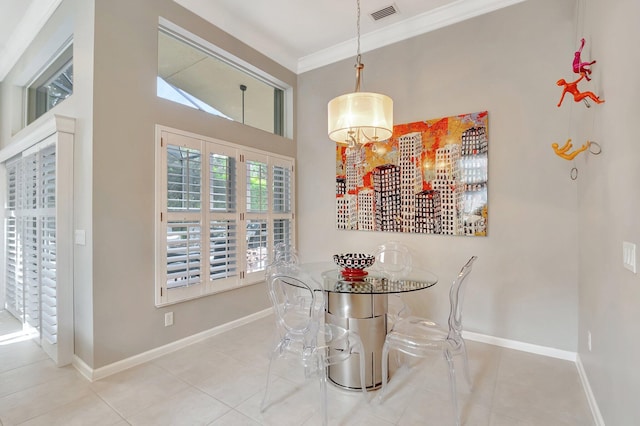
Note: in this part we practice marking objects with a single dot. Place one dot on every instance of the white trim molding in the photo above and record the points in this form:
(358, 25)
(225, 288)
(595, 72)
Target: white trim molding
(116, 367)
(124, 364)
(443, 16)
(26, 30)
(102, 372)
(550, 352)
(521, 346)
(36, 132)
(593, 404)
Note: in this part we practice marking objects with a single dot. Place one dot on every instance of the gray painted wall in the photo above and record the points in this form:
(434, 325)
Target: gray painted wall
(114, 100)
(609, 295)
(524, 285)
(125, 111)
(548, 272)
(550, 269)
(73, 17)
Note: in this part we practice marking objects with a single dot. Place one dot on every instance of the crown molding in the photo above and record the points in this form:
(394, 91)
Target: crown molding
(41, 10)
(27, 29)
(449, 14)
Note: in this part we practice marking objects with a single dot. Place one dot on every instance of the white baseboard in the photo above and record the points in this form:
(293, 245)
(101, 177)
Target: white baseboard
(116, 367)
(135, 360)
(593, 404)
(520, 346)
(82, 367)
(545, 351)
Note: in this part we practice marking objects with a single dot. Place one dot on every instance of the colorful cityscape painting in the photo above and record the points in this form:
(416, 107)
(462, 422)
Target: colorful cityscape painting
(430, 177)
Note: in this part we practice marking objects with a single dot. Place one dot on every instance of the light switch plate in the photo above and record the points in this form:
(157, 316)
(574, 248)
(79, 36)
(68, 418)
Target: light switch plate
(629, 256)
(80, 237)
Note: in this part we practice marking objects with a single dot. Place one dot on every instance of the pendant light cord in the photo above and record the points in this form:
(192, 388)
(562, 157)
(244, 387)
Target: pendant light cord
(359, 66)
(243, 89)
(358, 31)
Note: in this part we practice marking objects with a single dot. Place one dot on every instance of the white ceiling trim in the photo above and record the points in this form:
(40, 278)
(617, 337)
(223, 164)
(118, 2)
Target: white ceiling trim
(429, 21)
(34, 19)
(41, 10)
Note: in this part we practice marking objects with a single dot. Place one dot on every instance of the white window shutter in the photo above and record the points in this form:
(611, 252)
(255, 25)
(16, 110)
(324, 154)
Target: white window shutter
(38, 232)
(220, 210)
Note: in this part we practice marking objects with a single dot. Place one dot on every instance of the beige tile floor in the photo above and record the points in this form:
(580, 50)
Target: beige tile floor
(220, 381)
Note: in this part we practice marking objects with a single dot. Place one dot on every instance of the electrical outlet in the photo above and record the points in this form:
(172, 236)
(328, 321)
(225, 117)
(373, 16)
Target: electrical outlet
(589, 340)
(629, 256)
(168, 319)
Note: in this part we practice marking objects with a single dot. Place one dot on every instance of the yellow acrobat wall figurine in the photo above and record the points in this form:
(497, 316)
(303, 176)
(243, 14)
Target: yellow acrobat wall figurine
(563, 150)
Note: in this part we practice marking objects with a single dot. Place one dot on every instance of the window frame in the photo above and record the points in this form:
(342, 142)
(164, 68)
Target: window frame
(165, 137)
(58, 63)
(283, 98)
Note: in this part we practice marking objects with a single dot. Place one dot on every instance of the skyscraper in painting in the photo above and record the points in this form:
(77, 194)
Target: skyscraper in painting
(430, 177)
(409, 157)
(353, 169)
(449, 185)
(386, 187)
(428, 212)
(346, 212)
(473, 167)
(366, 212)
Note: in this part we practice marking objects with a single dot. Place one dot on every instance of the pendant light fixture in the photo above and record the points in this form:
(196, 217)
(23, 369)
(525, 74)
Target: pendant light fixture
(360, 117)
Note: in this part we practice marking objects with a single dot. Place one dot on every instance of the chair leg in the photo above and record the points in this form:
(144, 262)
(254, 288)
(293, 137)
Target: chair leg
(452, 382)
(363, 373)
(467, 375)
(322, 372)
(265, 397)
(385, 370)
(398, 361)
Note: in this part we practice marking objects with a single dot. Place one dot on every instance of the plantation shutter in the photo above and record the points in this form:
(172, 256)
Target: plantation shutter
(31, 241)
(257, 209)
(47, 240)
(223, 213)
(184, 227)
(221, 209)
(282, 173)
(14, 284)
(38, 273)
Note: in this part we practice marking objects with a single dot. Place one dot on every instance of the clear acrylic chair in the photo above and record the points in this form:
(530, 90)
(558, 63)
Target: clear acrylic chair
(283, 255)
(394, 260)
(298, 303)
(421, 337)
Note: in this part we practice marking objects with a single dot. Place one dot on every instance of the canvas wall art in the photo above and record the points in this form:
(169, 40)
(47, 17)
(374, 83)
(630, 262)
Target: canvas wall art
(430, 177)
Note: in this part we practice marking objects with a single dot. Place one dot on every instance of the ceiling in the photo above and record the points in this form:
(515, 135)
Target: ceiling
(300, 35)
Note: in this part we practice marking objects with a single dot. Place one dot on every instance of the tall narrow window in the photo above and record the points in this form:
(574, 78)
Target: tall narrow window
(38, 230)
(222, 208)
(31, 241)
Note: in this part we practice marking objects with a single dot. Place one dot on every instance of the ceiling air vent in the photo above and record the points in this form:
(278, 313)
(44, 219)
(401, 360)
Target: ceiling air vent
(384, 12)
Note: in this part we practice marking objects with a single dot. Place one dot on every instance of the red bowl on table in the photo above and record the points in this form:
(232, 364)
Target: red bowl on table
(354, 264)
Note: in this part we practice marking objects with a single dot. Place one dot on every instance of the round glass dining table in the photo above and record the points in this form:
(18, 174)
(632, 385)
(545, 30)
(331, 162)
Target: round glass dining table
(361, 304)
